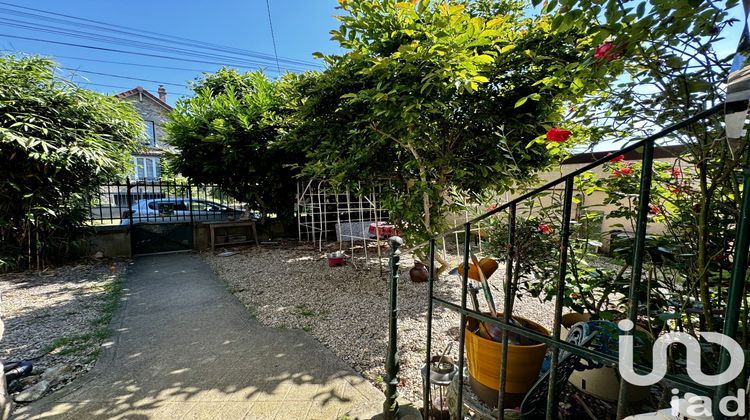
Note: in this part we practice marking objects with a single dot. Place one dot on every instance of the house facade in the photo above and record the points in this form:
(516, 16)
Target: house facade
(147, 164)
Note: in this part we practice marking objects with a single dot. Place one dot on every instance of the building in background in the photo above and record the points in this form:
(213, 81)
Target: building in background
(154, 111)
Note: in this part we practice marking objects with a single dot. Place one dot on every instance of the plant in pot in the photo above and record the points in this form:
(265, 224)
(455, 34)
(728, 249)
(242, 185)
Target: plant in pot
(484, 346)
(590, 293)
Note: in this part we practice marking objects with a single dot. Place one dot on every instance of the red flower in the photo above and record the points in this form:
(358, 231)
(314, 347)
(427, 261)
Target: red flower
(619, 158)
(653, 209)
(543, 228)
(558, 135)
(676, 172)
(624, 171)
(492, 207)
(681, 187)
(607, 51)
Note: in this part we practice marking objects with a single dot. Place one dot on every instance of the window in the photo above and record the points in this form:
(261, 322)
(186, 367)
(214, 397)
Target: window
(150, 130)
(147, 168)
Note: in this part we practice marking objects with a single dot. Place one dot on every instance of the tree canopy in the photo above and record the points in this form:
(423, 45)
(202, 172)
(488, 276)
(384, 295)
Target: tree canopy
(433, 98)
(59, 142)
(227, 134)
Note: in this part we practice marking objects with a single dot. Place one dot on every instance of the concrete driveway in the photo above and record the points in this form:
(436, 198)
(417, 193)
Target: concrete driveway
(184, 347)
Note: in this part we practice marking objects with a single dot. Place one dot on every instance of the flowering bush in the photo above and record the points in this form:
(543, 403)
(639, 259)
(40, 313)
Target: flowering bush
(607, 51)
(558, 135)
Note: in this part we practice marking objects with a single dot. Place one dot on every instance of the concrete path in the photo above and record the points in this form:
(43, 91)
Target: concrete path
(184, 347)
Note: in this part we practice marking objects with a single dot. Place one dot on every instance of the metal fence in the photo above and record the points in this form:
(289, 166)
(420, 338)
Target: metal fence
(544, 402)
(125, 202)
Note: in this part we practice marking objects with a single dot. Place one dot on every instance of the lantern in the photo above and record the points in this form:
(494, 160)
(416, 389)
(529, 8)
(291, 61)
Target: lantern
(442, 370)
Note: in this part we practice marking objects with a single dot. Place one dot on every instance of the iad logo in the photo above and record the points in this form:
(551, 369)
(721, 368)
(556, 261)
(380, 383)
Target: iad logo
(696, 406)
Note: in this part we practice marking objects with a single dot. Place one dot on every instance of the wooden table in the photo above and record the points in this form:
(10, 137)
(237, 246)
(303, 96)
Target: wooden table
(213, 226)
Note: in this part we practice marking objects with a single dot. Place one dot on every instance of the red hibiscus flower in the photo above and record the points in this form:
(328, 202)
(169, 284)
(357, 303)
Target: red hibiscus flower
(653, 209)
(676, 172)
(543, 228)
(558, 135)
(619, 158)
(624, 171)
(607, 51)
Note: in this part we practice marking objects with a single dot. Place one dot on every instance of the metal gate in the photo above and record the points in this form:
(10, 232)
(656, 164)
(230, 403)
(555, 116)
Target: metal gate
(161, 216)
(152, 238)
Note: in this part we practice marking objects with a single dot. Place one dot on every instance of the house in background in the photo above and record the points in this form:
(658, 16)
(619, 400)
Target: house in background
(154, 111)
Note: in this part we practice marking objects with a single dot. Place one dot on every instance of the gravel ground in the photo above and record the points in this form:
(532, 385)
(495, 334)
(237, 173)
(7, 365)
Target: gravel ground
(291, 286)
(59, 317)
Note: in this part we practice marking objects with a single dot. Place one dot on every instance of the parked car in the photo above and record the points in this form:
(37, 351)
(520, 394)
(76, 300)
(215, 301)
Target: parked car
(160, 210)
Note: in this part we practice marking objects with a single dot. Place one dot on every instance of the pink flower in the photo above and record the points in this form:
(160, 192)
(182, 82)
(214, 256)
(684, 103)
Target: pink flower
(676, 172)
(558, 135)
(607, 51)
(544, 228)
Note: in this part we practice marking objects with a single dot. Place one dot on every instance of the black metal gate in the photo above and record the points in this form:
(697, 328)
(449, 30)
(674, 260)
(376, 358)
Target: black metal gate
(161, 216)
(151, 238)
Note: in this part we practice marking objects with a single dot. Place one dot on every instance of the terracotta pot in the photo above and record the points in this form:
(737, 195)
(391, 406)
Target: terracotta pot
(484, 359)
(489, 266)
(418, 273)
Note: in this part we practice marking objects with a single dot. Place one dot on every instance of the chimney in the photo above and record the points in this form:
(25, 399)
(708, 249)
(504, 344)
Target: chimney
(162, 93)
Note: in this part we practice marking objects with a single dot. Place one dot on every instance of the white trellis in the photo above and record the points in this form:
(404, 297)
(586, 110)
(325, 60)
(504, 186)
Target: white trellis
(326, 214)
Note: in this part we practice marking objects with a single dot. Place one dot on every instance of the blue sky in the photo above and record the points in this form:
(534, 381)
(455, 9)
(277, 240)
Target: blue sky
(301, 27)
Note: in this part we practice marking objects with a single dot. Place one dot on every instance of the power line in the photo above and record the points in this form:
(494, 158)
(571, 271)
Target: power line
(122, 77)
(160, 36)
(125, 63)
(273, 38)
(128, 88)
(93, 47)
(138, 44)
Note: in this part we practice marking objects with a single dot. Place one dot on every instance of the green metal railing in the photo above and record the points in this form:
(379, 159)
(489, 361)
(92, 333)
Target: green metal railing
(554, 342)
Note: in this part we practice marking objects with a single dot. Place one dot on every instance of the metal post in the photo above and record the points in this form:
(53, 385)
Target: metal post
(736, 284)
(462, 331)
(426, 407)
(564, 238)
(638, 247)
(507, 308)
(390, 406)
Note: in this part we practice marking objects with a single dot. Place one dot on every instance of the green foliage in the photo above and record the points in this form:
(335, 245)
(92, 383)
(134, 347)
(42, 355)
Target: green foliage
(226, 135)
(58, 143)
(670, 66)
(431, 99)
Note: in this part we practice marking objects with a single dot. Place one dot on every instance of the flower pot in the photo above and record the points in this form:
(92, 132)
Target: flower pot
(489, 266)
(418, 273)
(568, 320)
(602, 383)
(484, 358)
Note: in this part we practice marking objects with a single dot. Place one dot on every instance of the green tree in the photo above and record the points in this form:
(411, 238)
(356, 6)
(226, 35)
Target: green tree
(227, 135)
(59, 143)
(670, 66)
(437, 99)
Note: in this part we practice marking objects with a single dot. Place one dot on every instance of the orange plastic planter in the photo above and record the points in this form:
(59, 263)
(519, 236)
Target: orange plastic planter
(484, 358)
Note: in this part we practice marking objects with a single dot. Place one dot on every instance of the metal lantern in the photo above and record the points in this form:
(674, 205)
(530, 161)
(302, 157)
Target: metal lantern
(442, 370)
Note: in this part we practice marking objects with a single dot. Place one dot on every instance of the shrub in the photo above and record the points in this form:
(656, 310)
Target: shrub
(58, 143)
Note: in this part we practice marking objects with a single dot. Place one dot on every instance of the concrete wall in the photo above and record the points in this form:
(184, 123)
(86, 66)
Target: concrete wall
(112, 241)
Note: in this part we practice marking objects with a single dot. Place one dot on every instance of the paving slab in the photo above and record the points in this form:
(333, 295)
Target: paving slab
(184, 347)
